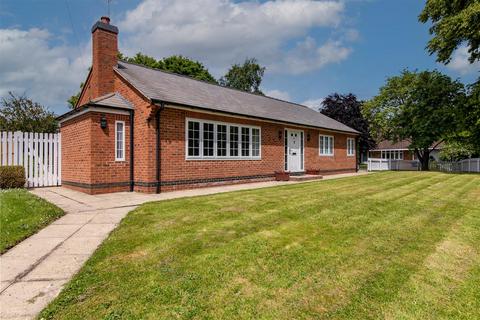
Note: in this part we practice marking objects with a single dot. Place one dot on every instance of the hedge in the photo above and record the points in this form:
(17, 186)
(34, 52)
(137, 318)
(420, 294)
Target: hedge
(12, 177)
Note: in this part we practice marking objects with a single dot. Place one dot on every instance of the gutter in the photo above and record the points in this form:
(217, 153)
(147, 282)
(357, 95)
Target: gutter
(158, 149)
(180, 105)
(132, 151)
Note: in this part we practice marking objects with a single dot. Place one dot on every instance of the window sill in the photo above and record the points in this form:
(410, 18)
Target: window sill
(222, 159)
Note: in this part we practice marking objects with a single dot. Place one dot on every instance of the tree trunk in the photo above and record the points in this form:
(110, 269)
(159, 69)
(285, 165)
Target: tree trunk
(424, 158)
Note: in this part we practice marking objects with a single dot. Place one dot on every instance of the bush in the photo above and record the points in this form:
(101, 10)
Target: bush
(12, 177)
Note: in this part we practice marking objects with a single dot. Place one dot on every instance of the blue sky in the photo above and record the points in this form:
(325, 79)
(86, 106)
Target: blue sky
(310, 48)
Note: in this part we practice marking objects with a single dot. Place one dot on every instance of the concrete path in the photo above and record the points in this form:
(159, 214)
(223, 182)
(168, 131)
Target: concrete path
(33, 272)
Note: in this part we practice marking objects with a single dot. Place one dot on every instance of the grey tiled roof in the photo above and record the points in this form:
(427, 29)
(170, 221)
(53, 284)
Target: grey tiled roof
(171, 88)
(114, 99)
(403, 144)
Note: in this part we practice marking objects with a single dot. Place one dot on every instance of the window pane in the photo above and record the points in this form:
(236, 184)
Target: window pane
(245, 142)
(330, 145)
(301, 150)
(233, 141)
(119, 144)
(208, 136)
(221, 140)
(255, 142)
(193, 139)
(322, 151)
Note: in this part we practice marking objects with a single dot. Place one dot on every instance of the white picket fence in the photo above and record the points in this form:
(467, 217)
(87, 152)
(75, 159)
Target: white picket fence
(466, 165)
(378, 164)
(38, 153)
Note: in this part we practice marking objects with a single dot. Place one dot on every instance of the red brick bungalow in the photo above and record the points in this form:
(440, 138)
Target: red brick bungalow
(140, 129)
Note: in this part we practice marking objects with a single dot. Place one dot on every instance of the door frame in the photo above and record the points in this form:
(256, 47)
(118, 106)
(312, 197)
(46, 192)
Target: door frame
(285, 149)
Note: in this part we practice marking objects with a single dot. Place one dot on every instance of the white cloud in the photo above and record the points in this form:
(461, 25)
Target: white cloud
(282, 95)
(307, 56)
(461, 64)
(222, 32)
(314, 104)
(47, 74)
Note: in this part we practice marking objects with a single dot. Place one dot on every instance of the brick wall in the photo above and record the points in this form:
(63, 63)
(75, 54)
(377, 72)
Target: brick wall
(101, 79)
(88, 154)
(176, 171)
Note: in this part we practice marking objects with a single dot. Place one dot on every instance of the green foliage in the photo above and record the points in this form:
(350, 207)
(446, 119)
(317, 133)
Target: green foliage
(246, 77)
(456, 150)
(453, 23)
(18, 113)
(12, 177)
(22, 214)
(347, 110)
(72, 101)
(422, 107)
(472, 118)
(176, 64)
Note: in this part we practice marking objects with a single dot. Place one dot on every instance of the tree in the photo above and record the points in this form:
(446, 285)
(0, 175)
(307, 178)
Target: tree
(347, 110)
(472, 118)
(176, 64)
(456, 150)
(72, 101)
(246, 77)
(18, 113)
(422, 107)
(454, 22)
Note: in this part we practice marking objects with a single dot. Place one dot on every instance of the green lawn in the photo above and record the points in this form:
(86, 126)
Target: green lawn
(21, 215)
(394, 245)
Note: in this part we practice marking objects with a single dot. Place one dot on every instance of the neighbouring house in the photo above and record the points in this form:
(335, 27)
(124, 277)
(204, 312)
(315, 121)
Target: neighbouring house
(400, 151)
(141, 129)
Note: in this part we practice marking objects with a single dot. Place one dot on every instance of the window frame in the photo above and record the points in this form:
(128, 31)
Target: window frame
(320, 136)
(229, 142)
(352, 141)
(116, 141)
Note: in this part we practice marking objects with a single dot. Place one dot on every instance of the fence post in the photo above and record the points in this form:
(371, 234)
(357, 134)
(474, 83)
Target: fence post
(59, 146)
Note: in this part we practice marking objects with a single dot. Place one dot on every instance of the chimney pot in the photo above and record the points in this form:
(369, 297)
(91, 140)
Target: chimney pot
(105, 19)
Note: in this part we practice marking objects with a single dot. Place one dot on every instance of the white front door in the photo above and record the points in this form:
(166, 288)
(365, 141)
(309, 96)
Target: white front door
(295, 150)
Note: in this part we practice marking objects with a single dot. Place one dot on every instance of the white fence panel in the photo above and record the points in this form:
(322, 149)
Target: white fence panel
(378, 164)
(466, 165)
(38, 153)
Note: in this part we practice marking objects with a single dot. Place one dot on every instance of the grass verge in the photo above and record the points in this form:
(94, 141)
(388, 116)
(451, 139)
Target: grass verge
(21, 215)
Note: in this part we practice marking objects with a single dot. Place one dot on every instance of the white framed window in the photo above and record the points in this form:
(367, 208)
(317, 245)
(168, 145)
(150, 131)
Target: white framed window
(350, 146)
(326, 145)
(206, 139)
(392, 154)
(119, 140)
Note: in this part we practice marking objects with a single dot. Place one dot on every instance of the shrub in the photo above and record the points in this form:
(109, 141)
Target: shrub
(12, 177)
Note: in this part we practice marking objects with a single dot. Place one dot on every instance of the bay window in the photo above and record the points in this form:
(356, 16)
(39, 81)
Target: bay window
(218, 140)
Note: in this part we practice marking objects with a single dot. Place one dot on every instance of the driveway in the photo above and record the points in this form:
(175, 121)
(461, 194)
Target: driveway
(33, 272)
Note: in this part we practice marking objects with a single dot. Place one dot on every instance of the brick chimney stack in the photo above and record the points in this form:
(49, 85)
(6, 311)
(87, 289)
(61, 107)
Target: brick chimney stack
(105, 57)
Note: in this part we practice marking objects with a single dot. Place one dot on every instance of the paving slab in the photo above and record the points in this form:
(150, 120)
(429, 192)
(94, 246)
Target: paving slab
(27, 299)
(79, 245)
(77, 219)
(56, 267)
(33, 248)
(56, 231)
(11, 267)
